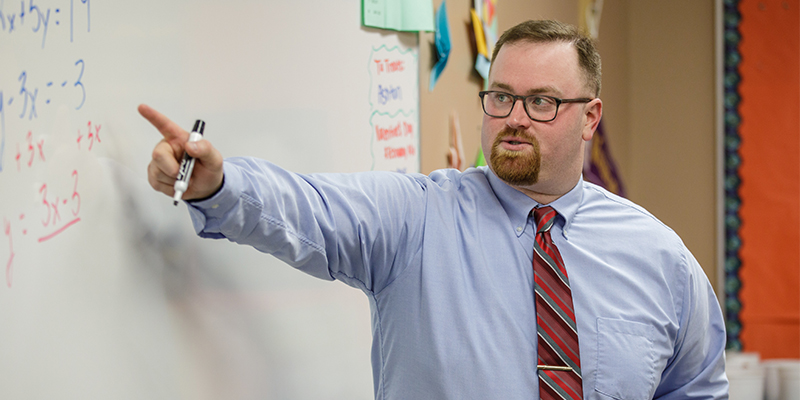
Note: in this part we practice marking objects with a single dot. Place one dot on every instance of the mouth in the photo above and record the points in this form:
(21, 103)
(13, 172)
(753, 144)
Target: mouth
(514, 143)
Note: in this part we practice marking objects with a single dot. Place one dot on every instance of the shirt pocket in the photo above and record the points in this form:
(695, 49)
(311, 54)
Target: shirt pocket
(626, 359)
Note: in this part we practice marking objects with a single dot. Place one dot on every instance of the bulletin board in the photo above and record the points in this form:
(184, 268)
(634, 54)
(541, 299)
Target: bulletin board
(768, 303)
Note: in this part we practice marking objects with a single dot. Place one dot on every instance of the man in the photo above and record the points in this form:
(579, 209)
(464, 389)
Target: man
(447, 261)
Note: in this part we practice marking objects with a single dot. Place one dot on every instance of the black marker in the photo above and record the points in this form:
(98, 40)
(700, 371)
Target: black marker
(187, 165)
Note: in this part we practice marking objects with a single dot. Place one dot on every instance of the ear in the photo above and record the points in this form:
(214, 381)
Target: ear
(593, 112)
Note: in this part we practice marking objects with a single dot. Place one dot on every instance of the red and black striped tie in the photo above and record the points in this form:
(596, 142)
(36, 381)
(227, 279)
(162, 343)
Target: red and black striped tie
(559, 358)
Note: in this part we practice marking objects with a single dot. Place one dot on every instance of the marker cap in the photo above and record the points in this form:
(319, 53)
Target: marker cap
(199, 126)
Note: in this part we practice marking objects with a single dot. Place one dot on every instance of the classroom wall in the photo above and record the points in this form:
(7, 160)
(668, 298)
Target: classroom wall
(658, 97)
(670, 165)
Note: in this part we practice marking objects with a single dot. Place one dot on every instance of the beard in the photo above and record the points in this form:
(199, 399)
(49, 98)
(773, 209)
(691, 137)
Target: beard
(517, 168)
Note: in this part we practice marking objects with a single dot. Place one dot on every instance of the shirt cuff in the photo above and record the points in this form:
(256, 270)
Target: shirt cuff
(208, 213)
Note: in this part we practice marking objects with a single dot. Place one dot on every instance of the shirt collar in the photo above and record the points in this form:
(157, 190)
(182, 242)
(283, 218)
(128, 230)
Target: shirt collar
(568, 204)
(518, 205)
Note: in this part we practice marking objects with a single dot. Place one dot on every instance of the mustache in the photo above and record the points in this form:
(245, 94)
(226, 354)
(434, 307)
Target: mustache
(510, 132)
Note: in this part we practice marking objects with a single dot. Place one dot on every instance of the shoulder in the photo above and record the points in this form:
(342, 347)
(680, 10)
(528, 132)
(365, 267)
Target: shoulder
(600, 203)
(611, 216)
(452, 182)
(627, 238)
(455, 180)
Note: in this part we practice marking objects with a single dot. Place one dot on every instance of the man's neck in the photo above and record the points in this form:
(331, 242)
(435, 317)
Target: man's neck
(544, 195)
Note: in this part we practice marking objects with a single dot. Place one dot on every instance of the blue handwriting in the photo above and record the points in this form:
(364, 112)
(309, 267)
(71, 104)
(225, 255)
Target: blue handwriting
(12, 21)
(386, 94)
(33, 92)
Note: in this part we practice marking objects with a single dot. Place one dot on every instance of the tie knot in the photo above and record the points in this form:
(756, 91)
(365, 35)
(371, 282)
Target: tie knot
(544, 217)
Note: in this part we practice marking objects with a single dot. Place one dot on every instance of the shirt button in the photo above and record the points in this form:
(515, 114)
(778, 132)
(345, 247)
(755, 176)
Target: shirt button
(215, 206)
(519, 229)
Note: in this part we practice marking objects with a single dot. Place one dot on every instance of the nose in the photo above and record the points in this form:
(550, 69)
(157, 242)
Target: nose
(518, 119)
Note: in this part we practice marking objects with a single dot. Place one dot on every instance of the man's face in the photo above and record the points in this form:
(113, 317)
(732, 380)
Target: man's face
(543, 157)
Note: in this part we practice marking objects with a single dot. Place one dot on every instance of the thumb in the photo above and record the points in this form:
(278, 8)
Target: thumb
(204, 152)
(199, 149)
(196, 149)
(208, 169)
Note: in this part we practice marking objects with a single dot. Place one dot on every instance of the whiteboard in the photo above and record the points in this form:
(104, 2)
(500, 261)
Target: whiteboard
(106, 292)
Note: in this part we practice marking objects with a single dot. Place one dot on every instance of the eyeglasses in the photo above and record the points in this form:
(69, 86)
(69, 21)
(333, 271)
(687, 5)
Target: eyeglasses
(538, 107)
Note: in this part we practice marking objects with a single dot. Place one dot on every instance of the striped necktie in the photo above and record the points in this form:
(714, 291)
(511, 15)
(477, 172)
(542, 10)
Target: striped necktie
(559, 358)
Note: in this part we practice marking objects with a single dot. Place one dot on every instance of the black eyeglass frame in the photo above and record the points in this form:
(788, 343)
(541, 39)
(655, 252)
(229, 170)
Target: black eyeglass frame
(524, 104)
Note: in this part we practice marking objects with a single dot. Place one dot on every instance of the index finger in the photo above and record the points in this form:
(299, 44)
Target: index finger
(170, 130)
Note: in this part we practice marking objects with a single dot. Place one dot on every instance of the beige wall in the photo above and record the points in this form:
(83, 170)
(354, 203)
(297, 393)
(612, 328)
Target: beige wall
(658, 97)
(671, 156)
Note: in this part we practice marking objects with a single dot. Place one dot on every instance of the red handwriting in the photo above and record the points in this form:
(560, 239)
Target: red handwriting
(31, 151)
(53, 218)
(408, 129)
(76, 197)
(399, 152)
(17, 157)
(386, 66)
(55, 210)
(388, 133)
(59, 214)
(91, 135)
(59, 230)
(10, 263)
(398, 130)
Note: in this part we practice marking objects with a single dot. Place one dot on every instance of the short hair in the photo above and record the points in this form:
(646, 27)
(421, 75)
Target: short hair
(546, 31)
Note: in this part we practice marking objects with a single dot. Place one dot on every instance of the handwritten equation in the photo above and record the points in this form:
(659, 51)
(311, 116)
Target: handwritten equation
(43, 92)
(31, 150)
(71, 90)
(394, 101)
(57, 205)
(32, 18)
(32, 93)
(57, 212)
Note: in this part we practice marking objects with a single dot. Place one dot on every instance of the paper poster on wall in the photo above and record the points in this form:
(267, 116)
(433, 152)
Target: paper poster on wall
(398, 15)
(442, 39)
(484, 26)
(394, 118)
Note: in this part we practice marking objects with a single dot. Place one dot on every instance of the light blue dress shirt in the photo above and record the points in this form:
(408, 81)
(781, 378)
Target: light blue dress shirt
(445, 261)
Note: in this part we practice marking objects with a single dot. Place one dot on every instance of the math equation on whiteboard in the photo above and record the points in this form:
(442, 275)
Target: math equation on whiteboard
(43, 99)
(61, 19)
